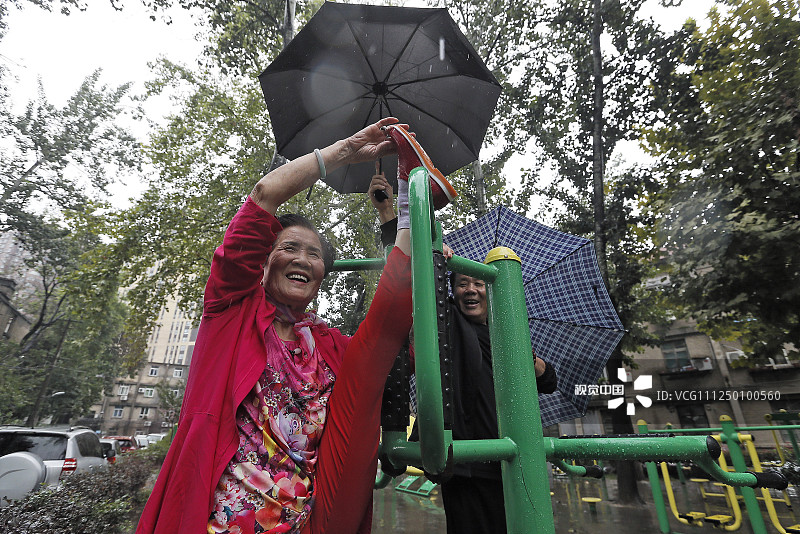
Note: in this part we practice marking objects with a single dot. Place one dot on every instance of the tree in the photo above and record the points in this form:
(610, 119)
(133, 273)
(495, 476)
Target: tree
(73, 345)
(587, 99)
(65, 6)
(246, 34)
(63, 158)
(505, 36)
(170, 398)
(728, 141)
(54, 172)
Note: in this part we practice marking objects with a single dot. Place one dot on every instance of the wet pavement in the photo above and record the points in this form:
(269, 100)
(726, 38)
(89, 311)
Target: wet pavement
(400, 513)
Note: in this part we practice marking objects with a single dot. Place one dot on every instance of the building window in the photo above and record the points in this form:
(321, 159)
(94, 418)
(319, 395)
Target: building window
(123, 390)
(154, 371)
(187, 329)
(148, 392)
(144, 412)
(175, 393)
(676, 355)
(117, 412)
(181, 354)
(692, 416)
(177, 373)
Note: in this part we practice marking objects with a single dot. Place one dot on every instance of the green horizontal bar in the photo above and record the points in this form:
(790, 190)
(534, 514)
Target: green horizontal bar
(713, 430)
(483, 450)
(575, 470)
(685, 430)
(643, 449)
(366, 264)
(767, 427)
(732, 479)
(401, 451)
(471, 268)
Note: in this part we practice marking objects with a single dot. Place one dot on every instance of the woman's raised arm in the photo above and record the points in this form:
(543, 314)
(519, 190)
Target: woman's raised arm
(287, 180)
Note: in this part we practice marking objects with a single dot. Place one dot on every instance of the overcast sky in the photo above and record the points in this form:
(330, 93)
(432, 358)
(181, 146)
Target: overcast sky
(63, 50)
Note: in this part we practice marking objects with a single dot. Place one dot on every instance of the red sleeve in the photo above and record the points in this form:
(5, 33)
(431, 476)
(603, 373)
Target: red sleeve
(238, 264)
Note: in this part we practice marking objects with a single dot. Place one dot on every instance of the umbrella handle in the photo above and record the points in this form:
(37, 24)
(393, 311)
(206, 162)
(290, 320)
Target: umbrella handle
(380, 194)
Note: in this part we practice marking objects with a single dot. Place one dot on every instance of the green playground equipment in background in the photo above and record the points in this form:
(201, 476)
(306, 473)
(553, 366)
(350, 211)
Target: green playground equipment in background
(409, 485)
(522, 449)
(734, 438)
(790, 420)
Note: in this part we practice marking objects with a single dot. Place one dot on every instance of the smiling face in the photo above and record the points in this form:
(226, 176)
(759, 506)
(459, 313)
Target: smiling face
(295, 268)
(470, 295)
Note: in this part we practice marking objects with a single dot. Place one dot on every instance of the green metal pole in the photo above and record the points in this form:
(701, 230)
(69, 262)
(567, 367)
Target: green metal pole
(471, 268)
(655, 487)
(434, 441)
(367, 264)
(794, 444)
(525, 483)
(730, 436)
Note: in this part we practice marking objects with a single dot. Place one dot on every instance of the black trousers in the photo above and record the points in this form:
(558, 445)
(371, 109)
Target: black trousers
(474, 505)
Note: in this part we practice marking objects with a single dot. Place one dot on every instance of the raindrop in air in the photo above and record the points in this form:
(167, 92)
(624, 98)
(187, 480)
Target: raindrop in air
(441, 48)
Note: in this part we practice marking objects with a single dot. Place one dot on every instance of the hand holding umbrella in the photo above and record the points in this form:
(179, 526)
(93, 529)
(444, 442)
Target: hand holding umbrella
(381, 195)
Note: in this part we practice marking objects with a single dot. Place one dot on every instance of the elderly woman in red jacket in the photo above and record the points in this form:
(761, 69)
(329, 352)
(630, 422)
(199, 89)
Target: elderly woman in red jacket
(265, 442)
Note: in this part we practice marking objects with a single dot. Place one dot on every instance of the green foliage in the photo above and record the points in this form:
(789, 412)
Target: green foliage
(86, 503)
(208, 157)
(170, 398)
(244, 35)
(729, 145)
(560, 115)
(53, 176)
(51, 143)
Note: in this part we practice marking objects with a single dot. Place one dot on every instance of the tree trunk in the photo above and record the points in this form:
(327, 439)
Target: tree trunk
(480, 187)
(287, 31)
(627, 475)
(597, 143)
(34, 415)
(288, 22)
(627, 488)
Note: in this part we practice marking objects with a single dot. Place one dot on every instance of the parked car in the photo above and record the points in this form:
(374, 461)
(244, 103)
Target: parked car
(126, 443)
(111, 449)
(141, 441)
(155, 438)
(31, 457)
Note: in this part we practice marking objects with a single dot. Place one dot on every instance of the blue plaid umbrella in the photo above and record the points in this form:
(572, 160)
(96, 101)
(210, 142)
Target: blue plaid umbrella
(573, 323)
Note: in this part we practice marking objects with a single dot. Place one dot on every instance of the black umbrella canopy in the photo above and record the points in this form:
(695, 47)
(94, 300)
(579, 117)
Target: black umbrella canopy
(352, 65)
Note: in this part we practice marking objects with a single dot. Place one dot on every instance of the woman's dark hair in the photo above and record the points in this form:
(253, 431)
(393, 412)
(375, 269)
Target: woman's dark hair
(328, 252)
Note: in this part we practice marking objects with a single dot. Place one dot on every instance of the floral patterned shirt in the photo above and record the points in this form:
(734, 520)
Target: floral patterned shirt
(268, 486)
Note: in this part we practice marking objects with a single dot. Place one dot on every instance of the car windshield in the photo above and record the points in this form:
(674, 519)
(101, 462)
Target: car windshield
(45, 446)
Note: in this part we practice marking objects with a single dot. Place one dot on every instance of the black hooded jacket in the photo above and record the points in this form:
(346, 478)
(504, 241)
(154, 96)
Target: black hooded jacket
(475, 413)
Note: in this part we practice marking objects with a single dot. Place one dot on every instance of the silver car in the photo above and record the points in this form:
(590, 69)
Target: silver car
(31, 457)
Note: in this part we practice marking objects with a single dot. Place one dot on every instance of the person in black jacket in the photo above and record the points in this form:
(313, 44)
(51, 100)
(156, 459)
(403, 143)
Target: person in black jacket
(473, 496)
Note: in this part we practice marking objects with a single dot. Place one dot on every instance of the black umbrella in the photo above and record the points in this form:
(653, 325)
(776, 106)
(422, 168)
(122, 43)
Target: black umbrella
(352, 65)
(573, 324)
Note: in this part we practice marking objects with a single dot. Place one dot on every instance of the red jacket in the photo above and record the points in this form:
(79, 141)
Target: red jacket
(229, 356)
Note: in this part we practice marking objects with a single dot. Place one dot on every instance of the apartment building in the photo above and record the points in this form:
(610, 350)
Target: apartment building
(692, 380)
(134, 405)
